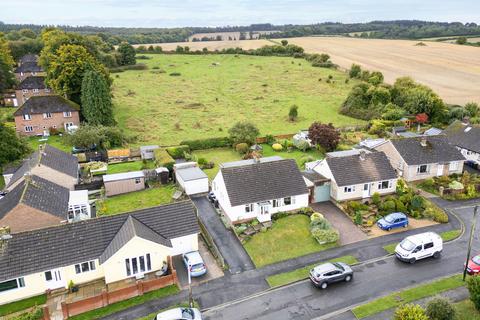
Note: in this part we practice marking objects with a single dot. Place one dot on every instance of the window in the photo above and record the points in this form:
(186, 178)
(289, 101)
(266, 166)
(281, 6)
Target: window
(35, 90)
(48, 276)
(47, 90)
(385, 184)
(276, 203)
(28, 129)
(67, 114)
(453, 166)
(249, 208)
(138, 264)
(12, 284)
(422, 168)
(287, 201)
(142, 263)
(75, 211)
(127, 265)
(149, 264)
(27, 117)
(138, 180)
(47, 115)
(25, 90)
(428, 245)
(349, 189)
(85, 267)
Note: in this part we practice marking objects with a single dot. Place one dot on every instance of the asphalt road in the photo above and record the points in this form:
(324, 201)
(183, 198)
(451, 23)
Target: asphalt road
(372, 280)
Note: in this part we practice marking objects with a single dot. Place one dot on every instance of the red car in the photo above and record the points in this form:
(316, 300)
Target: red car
(473, 267)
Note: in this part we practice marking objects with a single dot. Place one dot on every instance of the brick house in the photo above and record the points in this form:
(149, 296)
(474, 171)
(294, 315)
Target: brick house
(27, 69)
(30, 87)
(40, 113)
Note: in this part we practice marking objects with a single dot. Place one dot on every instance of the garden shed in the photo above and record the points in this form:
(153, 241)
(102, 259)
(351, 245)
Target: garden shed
(147, 152)
(191, 178)
(123, 182)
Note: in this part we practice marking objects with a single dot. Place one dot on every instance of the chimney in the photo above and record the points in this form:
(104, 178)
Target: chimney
(362, 154)
(423, 141)
(4, 237)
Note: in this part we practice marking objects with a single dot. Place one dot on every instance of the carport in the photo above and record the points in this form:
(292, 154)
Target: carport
(318, 185)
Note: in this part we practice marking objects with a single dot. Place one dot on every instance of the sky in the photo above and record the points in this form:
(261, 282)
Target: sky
(210, 13)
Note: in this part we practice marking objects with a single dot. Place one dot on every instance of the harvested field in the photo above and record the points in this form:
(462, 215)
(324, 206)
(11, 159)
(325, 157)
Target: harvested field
(211, 45)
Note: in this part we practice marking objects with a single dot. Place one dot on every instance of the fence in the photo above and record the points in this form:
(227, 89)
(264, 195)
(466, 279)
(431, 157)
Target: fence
(94, 185)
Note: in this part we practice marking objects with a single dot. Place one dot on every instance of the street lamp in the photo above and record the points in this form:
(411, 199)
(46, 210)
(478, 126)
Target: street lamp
(472, 231)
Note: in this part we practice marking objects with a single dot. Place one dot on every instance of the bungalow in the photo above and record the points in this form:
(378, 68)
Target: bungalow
(119, 183)
(50, 164)
(113, 249)
(357, 176)
(36, 203)
(30, 87)
(40, 113)
(258, 188)
(466, 138)
(423, 157)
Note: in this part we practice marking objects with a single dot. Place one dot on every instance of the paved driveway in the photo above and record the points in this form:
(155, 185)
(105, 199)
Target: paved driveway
(230, 248)
(349, 232)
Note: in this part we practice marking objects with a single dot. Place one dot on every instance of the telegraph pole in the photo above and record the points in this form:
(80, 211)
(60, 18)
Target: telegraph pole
(472, 231)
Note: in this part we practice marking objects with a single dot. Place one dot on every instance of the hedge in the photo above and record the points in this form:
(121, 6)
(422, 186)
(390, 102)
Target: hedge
(209, 143)
(163, 159)
(178, 151)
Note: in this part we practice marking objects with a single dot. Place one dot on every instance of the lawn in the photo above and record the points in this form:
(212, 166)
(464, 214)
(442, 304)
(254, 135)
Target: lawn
(395, 299)
(118, 306)
(129, 166)
(136, 200)
(446, 236)
(22, 304)
(288, 238)
(466, 311)
(302, 273)
(55, 141)
(205, 100)
(299, 156)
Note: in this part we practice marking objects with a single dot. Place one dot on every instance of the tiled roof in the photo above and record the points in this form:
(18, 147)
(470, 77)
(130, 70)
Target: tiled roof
(263, 181)
(31, 66)
(460, 135)
(437, 150)
(32, 82)
(29, 58)
(352, 170)
(44, 249)
(42, 104)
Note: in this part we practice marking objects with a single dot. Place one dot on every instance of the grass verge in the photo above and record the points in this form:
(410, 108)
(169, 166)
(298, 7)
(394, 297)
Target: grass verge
(466, 311)
(446, 236)
(302, 273)
(118, 306)
(401, 297)
(22, 304)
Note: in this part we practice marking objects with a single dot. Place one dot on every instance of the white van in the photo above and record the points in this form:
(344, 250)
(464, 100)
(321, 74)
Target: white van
(419, 246)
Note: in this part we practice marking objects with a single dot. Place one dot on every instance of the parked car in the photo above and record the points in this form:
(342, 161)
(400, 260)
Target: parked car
(193, 261)
(419, 246)
(392, 221)
(473, 267)
(180, 314)
(76, 150)
(211, 196)
(324, 274)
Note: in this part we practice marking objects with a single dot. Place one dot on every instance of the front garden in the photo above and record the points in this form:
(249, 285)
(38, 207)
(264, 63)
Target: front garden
(453, 187)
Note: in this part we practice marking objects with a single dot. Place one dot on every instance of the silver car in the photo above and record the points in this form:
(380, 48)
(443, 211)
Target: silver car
(324, 274)
(180, 314)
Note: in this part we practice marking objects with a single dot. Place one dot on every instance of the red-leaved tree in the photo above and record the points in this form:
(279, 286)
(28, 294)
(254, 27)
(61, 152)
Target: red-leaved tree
(421, 118)
(324, 135)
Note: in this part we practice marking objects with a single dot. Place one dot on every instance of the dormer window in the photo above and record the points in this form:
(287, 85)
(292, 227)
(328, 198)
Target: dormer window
(27, 117)
(67, 114)
(35, 90)
(47, 115)
(25, 90)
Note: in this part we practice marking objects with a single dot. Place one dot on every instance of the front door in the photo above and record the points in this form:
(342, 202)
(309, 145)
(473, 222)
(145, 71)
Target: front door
(264, 209)
(366, 190)
(439, 170)
(54, 279)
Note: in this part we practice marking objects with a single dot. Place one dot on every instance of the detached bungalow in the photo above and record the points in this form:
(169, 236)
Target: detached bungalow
(113, 248)
(466, 138)
(423, 157)
(256, 189)
(357, 176)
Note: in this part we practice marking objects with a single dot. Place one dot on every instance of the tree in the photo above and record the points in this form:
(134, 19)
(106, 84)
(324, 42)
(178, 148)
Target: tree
(421, 118)
(284, 42)
(461, 40)
(7, 77)
(103, 137)
(12, 148)
(245, 132)
(440, 309)
(126, 54)
(473, 285)
(410, 312)
(355, 71)
(96, 99)
(293, 113)
(324, 135)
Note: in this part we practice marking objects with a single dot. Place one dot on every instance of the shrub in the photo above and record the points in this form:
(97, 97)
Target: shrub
(175, 74)
(138, 66)
(400, 207)
(53, 131)
(316, 216)
(410, 312)
(277, 147)
(178, 151)
(321, 223)
(389, 206)
(325, 236)
(417, 202)
(209, 143)
(270, 139)
(163, 159)
(440, 309)
(35, 314)
(473, 285)
(376, 199)
(293, 113)
(358, 218)
(241, 148)
(244, 132)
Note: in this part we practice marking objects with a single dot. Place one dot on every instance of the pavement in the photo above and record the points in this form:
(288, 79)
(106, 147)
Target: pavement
(227, 243)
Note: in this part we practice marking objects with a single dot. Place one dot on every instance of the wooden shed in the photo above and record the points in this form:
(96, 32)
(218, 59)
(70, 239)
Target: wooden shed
(123, 182)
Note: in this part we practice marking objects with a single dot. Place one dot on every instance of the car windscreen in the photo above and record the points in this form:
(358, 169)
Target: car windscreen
(197, 266)
(339, 266)
(187, 313)
(476, 260)
(407, 245)
(389, 219)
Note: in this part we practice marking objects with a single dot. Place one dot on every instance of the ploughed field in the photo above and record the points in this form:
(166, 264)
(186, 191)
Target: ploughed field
(183, 97)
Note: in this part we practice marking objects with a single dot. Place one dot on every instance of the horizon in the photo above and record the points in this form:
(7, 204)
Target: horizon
(212, 13)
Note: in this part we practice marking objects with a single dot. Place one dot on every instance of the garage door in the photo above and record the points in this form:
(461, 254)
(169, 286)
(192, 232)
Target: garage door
(184, 244)
(322, 193)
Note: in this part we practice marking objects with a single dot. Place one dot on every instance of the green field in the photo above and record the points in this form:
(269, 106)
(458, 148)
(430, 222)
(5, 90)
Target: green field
(205, 100)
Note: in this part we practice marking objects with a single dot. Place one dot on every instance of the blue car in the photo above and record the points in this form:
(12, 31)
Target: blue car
(392, 221)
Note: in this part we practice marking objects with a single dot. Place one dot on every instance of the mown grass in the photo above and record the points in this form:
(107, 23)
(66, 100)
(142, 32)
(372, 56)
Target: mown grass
(136, 200)
(22, 304)
(118, 306)
(55, 141)
(302, 273)
(466, 311)
(288, 238)
(206, 100)
(446, 236)
(129, 166)
(401, 297)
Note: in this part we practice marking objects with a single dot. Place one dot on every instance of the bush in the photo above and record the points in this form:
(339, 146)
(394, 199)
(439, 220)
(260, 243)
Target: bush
(208, 143)
(473, 285)
(410, 312)
(325, 236)
(269, 139)
(35, 314)
(277, 147)
(163, 159)
(376, 199)
(320, 223)
(437, 215)
(358, 218)
(440, 309)
(138, 66)
(178, 151)
(316, 216)
(400, 207)
(389, 206)
(241, 148)
(417, 202)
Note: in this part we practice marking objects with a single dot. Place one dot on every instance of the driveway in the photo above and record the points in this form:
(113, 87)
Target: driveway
(349, 232)
(230, 248)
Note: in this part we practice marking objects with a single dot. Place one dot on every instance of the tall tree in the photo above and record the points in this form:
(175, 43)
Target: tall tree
(12, 147)
(7, 78)
(97, 106)
(127, 54)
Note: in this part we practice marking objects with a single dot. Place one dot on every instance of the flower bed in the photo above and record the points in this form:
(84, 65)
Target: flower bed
(454, 187)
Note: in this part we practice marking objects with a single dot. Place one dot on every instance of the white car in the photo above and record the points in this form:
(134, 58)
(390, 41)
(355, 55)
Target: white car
(419, 246)
(193, 261)
(180, 314)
